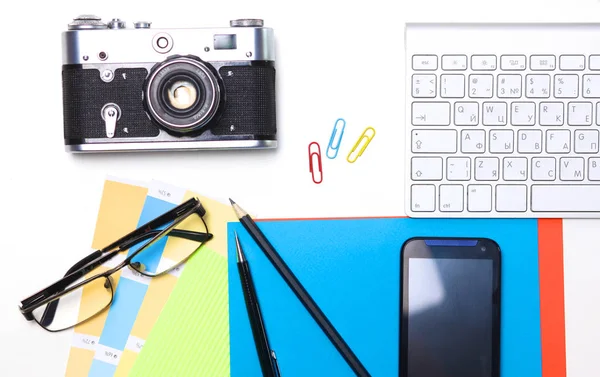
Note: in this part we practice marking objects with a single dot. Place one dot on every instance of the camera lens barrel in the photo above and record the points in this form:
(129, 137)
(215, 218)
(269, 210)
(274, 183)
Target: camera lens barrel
(183, 94)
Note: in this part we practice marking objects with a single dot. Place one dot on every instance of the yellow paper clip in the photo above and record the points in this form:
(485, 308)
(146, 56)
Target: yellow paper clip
(366, 136)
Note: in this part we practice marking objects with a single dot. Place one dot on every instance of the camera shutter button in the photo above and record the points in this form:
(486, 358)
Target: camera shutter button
(142, 24)
(117, 24)
(246, 22)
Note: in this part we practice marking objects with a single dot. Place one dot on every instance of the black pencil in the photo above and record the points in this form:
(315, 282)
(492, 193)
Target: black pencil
(295, 285)
(266, 357)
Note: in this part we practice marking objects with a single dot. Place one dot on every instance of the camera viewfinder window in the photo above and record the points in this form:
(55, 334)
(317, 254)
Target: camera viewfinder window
(225, 42)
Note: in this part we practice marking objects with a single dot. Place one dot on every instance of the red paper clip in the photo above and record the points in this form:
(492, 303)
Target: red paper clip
(317, 176)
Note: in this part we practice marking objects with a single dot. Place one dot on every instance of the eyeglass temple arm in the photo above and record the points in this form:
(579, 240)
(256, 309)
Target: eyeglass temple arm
(161, 220)
(179, 233)
(50, 311)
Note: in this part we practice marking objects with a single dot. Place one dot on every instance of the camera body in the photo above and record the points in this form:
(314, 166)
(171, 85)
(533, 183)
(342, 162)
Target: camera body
(128, 89)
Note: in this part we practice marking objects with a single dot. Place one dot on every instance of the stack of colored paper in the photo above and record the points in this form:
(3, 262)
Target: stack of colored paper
(173, 325)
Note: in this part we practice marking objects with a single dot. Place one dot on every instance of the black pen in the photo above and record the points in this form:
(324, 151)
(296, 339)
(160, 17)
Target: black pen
(305, 298)
(266, 356)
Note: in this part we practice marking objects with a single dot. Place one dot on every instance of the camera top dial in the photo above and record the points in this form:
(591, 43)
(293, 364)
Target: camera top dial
(87, 22)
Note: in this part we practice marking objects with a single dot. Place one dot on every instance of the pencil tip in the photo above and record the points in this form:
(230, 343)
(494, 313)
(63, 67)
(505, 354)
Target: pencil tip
(238, 247)
(236, 208)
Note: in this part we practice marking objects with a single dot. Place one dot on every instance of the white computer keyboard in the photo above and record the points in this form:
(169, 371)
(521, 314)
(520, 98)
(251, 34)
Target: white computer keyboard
(502, 120)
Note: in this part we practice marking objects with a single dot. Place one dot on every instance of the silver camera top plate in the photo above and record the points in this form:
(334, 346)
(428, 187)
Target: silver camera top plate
(88, 40)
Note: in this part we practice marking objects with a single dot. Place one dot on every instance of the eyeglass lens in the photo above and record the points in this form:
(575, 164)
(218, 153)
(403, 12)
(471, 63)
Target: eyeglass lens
(169, 252)
(100, 291)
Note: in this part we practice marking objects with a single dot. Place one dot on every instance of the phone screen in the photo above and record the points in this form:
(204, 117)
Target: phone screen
(450, 309)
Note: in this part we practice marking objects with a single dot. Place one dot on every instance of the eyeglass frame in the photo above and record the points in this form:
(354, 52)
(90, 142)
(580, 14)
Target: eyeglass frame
(52, 293)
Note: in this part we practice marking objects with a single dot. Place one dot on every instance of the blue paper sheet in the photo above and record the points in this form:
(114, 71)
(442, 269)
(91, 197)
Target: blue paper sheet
(352, 270)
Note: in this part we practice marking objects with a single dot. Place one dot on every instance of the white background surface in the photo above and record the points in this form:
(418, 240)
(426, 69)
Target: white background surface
(334, 59)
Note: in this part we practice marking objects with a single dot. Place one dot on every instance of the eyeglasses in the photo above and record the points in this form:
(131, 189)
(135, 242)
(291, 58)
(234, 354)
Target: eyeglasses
(53, 307)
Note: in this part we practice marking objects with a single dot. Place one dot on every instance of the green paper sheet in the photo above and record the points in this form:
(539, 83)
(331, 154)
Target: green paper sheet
(191, 336)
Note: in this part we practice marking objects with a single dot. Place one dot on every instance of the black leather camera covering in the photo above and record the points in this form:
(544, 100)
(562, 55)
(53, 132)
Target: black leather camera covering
(249, 105)
(250, 101)
(84, 95)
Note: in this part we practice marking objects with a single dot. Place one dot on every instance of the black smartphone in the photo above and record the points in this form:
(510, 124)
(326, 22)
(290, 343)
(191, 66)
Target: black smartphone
(450, 308)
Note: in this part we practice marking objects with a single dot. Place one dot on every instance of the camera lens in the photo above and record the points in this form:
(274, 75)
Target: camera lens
(180, 95)
(183, 94)
(483, 248)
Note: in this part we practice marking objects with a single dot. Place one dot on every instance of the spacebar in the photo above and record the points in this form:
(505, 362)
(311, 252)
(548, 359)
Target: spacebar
(565, 198)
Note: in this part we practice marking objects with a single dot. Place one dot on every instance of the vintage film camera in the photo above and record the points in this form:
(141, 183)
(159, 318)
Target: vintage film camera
(139, 88)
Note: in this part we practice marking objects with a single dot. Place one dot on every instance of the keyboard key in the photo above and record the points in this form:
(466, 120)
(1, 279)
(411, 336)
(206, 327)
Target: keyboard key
(486, 168)
(481, 86)
(594, 169)
(573, 198)
(454, 62)
(501, 141)
(452, 86)
(558, 141)
(586, 141)
(434, 141)
(509, 86)
(431, 113)
(522, 113)
(427, 168)
(571, 168)
(451, 198)
(422, 198)
(494, 113)
(591, 86)
(529, 141)
(595, 62)
(423, 86)
(511, 198)
(542, 62)
(551, 113)
(458, 168)
(483, 62)
(466, 113)
(579, 113)
(424, 62)
(566, 86)
(543, 169)
(572, 62)
(514, 168)
(472, 141)
(537, 86)
(479, 198)
(512, 62)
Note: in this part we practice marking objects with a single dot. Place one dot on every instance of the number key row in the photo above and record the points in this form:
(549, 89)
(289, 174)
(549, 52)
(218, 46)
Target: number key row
(507, 86)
